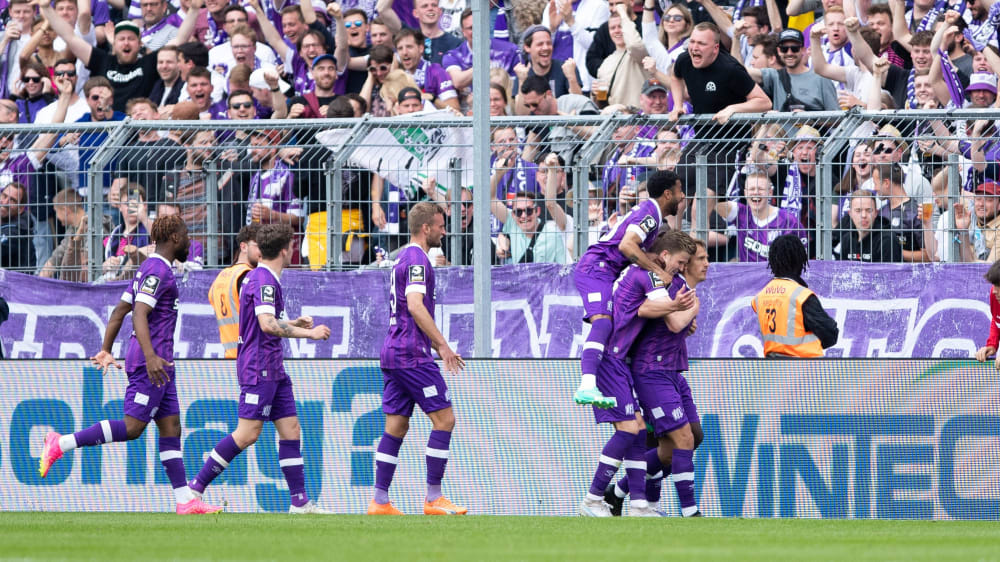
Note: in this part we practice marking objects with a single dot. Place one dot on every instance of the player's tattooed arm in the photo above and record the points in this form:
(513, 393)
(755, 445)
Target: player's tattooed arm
(285, 329)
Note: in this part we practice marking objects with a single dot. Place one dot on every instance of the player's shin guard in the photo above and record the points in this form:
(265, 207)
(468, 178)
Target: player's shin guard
(593, 350)
(386, 459)
(683, 467)
(105, 431)
(290, 461)
(654, 476)
(173, 463)
(218, 460)
(437, 460)
(635, 471)
(611, 458)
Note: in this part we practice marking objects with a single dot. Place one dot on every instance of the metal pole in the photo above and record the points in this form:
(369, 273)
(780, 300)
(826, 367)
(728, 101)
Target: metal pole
(328, 174)
(212, 200)
(455, 203)
(581, 203)
(953, 249)
(95, 212)
(701, 196)
(482, 280)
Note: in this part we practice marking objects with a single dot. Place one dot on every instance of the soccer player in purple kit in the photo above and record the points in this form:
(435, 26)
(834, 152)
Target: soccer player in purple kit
(152, 392)
(265, 389)
(659, 356)
(601, 264)
(759, 222)
(409, 372)
(638, 295)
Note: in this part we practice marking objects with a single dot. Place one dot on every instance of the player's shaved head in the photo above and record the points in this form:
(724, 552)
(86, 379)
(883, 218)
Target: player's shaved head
(166, 226)
(787, 256)
(272, 238)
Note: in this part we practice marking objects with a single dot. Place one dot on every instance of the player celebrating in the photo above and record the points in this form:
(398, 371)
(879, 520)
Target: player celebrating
(659, 356)
(601, 264)
(224, 294)
(152, 392)
(265, 389)
(639, 294)
(408, 369)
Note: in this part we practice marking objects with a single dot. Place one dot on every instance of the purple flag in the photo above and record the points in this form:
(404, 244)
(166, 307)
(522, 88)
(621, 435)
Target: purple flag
(950, 76)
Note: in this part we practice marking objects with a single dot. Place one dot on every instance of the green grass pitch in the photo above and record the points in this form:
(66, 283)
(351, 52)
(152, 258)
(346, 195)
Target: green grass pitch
(159, 536)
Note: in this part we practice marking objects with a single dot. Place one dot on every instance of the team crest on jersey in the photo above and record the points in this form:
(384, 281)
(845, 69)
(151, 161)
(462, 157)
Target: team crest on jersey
(655, 279)
(149, 285)
(648, 224)
(267, 294)
(416, 274)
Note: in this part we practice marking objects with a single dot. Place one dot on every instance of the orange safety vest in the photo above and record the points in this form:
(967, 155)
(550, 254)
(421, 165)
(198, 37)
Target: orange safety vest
(224, 295)
(779, 311)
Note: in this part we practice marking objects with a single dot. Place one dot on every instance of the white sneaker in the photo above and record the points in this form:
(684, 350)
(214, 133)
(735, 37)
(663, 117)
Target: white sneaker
(644, 512)
(594, 508)
(308, 509)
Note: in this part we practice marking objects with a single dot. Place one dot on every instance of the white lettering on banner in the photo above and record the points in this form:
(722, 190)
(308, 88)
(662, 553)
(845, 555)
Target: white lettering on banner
(573, 302)
(321, 315)
(182, 347)
(26, 344)
(443, 314)
(529, 320)
(904, 313)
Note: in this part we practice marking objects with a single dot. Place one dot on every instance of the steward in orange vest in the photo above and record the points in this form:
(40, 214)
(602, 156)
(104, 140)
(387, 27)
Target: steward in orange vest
(224, 294)
(792, 320)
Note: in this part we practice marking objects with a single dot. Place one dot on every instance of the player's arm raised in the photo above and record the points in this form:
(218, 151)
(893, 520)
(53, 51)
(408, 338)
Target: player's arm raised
(453, 362)
(285, 329)
(155, 365)
(629, 247)
(104, 359)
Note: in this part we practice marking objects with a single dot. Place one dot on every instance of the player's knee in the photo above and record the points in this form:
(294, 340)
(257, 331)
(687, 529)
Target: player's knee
(444, 421)
(169, 427)
(682, 438)
(397, 426)
(134, 430)
(665, 450)
(244, 437)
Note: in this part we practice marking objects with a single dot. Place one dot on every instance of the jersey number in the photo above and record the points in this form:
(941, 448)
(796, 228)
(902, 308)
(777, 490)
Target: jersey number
(392, 294)
(771, 315)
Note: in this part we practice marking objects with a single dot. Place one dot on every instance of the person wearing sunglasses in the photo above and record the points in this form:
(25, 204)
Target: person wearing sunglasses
(379, 66)
(356, 25)
(667, 43)
(795, 87)
(525, 237)
(32, 96)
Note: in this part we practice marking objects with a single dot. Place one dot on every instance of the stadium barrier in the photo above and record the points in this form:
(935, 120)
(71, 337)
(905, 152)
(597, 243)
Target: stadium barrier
(328, 171)
(833, 439)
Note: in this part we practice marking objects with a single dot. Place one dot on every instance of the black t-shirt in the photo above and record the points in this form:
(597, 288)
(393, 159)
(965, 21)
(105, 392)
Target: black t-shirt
(723, 83)
(434, 49)
(556, 78)
(134, 80)
(356, 78)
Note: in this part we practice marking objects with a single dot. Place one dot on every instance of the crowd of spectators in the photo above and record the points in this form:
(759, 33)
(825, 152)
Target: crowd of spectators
(71, 61)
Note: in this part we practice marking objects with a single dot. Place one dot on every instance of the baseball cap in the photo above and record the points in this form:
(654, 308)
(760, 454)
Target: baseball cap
(982, 81)
(257, 81)
(791, 35)
(325, 56)
(988, 188)
(127, 25)
(653, 85)
(409, 94)
(532, 30)
(274, 136)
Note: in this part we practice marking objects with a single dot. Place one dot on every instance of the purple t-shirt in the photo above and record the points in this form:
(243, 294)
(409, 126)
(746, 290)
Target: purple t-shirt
(521, 178)
(432, 79)
(616, 174)
(20, 168)
(644, 220)
(632, 289)
(274, 188)
(657, 348)
(303, 81)
(155, 286)
(503, 54)
(406, 345)
(755, 237)
(260, 355)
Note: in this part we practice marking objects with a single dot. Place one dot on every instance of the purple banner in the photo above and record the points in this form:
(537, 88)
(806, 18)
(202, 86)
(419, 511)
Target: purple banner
(882, 310)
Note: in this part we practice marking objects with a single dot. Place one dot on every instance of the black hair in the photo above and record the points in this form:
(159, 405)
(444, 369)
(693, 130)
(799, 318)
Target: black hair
(660, 182)
(166, 226)
(272, 238)
(787, 257)
(536, 84)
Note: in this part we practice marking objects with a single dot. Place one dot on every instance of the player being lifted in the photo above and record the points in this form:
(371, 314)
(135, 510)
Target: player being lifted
(409, 372)
(265, 389)
(601, 264)
(659, 356)
(224, 294)
(152, 391)
(639, 295)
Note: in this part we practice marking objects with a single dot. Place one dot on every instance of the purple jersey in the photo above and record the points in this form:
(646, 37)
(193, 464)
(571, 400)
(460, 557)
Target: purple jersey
(20, 168)
(657, 348)
(406, 345)
(275, 189)
(755, 236)
(616, 174)
(154, 285)
(503, 54)
(260, 355)
(632, 289)
(643, 220)
(432, 79)
(522, 177)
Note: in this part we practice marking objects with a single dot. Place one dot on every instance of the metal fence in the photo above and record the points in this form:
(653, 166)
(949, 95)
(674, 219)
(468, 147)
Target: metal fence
(78, 200)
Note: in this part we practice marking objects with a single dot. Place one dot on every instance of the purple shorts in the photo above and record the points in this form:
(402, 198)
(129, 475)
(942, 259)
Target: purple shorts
(145, 401)
(423, 385)
(267, 400)
(615, 379)
(666, 400)
(595, 282)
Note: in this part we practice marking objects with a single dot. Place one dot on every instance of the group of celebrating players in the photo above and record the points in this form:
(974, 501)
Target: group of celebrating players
(639, 313)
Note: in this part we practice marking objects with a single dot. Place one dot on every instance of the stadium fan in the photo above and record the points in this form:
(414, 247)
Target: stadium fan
(757, 222)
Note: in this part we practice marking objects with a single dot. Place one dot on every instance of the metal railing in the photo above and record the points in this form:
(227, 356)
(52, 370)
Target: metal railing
(346, 185)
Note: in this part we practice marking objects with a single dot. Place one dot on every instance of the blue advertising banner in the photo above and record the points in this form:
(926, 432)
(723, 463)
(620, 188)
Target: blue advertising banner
(831, 439)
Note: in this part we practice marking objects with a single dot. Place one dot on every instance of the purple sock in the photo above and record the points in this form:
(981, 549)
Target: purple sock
(654, 476)
(593, 348)
(437, 460)
(683, 466)
(173, 461)
(386, 459)
(635, 470)
(611, 457)
(218, 460)
(290, 461)
(105, 431)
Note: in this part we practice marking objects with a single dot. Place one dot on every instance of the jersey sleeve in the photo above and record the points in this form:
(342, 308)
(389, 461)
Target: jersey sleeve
(264, 298)
(415, 279)
(150, 288)
(653, 286)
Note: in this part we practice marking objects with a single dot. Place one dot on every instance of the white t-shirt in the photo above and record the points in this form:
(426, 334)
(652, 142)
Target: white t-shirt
(74, 112)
